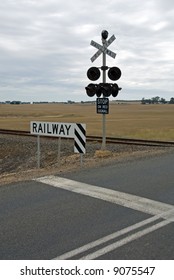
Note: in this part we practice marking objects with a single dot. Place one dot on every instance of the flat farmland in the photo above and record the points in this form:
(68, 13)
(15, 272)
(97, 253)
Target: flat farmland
(131, 120)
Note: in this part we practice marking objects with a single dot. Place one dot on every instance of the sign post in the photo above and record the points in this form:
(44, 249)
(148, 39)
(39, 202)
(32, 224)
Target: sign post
(38, 151)
(104, 115)
(59, 148)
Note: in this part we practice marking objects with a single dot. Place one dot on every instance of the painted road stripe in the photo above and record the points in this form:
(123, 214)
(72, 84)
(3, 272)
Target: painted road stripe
(109, 237)
(134, 202)
(124, 241)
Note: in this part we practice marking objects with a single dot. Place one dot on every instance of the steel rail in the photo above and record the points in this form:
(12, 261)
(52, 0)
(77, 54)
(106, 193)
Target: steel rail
(131, 141)
(111, 140)
(14, 132)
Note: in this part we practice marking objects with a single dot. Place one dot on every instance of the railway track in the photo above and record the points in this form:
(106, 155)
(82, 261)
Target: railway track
(113, 140)
(14, 132)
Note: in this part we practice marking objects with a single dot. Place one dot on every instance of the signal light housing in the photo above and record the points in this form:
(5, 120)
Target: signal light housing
(91, 90)
(105, 89)
(115, 90)
(93, 73)
(114, 73)
(104, 34)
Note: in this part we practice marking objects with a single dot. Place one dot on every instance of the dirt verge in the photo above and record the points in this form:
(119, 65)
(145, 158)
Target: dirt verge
(18, 156)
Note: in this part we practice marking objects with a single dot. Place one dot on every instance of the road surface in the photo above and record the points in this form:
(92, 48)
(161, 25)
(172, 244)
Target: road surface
(119, 211)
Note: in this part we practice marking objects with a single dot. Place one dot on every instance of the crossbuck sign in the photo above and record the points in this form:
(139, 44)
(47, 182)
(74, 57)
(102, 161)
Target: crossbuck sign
(103, 49)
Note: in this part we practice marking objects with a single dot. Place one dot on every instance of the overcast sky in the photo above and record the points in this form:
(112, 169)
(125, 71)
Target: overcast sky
(45, 47)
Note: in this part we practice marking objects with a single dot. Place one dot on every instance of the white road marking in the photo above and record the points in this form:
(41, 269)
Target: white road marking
(114, 235)
(124, 241)
(138, 203)
(160, 211)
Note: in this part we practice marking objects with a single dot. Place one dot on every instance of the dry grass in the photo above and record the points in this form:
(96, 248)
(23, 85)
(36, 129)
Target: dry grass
(124, 120)
(102, 154)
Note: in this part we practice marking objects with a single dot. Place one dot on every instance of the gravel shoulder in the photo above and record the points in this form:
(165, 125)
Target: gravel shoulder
(18, 156)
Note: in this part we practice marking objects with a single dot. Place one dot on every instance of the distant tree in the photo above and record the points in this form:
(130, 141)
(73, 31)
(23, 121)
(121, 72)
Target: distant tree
(155, 100)
(146, 101)
(149, 101)
(15, 102)
(143, 101)
(171, 100)
(70, 102)
(162, 101)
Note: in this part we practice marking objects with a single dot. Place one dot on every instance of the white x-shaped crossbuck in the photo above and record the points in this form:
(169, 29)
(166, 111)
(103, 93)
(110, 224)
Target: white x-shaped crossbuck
(103, 49)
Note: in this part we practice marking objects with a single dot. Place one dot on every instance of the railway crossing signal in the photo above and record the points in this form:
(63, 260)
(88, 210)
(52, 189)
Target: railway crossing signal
(103, 90)
(93, 73)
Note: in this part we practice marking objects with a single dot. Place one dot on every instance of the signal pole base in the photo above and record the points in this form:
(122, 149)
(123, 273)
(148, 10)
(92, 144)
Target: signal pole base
(104, 132)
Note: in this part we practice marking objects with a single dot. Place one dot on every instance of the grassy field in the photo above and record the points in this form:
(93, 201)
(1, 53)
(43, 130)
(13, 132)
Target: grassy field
(124, 120)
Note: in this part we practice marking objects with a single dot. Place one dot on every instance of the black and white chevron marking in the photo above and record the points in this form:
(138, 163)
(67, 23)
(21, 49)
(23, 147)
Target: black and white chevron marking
(80, 138)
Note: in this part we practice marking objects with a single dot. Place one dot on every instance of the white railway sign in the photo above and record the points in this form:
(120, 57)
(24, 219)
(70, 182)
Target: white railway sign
(60, 130)
(52, 129)
(103, 49)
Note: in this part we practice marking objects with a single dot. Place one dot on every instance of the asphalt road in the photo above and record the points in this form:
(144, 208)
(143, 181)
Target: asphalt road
(119, 211)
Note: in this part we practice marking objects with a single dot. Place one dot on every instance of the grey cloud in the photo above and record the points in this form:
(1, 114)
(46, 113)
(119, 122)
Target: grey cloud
(45, 46)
